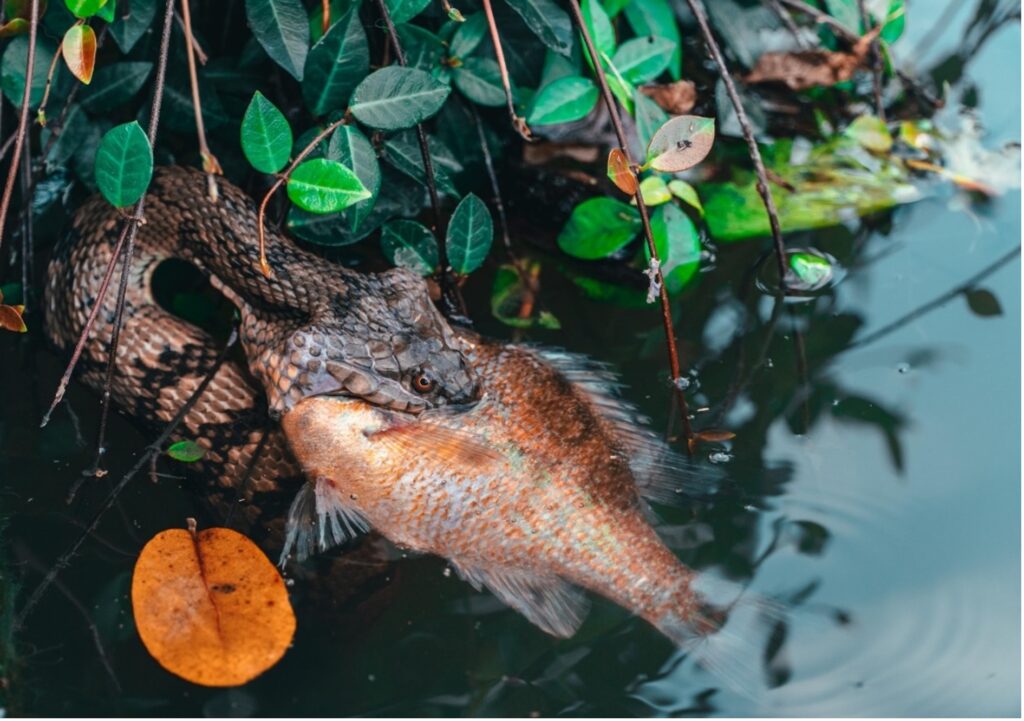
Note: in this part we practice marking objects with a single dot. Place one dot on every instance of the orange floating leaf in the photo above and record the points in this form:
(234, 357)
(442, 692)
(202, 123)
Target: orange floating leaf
(714, 435)
(620, 172)
(210, 607)
(79, 51)
(10, 318)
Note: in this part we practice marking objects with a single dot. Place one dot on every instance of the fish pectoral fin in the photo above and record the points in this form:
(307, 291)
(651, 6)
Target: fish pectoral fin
(457, 448)
(550, 602)
(317, 521)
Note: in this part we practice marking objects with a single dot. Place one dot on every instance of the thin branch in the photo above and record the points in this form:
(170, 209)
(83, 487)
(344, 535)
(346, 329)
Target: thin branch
(519, 123)
(763, 189)
(50, 74)
(281, 180)
(655, 269)
(26, 98)
(186, 28)
(325, 20)
(787, 20)
(876, 61)
(210, 164)
(153, 448)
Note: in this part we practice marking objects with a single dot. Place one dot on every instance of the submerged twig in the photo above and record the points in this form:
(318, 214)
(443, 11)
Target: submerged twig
(518, 123)
(210, 164)
(662, 291)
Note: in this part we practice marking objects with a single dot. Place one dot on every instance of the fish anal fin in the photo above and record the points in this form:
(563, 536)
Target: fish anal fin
(318, 521)
(553, 604)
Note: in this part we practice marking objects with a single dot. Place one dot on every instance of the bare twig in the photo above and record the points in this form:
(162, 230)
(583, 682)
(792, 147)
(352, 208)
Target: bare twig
(281, 180)
(210, 164)
(26, 99)
(50, 74)
(519, 123)
(763, 189)
(153, 448)
(186, 28)
(876, 61)
(787, 20)
(666, 308)
(325, 21)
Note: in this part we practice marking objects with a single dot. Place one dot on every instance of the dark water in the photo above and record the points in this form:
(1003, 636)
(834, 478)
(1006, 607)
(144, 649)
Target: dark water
(879, 483)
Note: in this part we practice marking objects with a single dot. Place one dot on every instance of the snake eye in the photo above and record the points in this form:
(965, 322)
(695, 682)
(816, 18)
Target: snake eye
(423, 383)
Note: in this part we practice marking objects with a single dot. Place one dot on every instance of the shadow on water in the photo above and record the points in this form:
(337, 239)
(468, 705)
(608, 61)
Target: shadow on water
(873, 487)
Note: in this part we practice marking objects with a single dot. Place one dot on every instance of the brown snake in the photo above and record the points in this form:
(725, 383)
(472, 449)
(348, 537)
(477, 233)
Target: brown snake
(313, 328)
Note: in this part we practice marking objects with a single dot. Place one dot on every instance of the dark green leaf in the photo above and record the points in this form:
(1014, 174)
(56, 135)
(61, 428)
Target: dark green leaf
(325, 186)
(598, 227)
(107, 11)
(470, 232)
(423, 49)
(84, 8)
(556, 66)
(563, 101)
(114, 85)
(468, 36)
(547, 21)
(394, 97)
(282, 29)
(643, 59)
(678, 243)
(338, 10)
(132, 23)
(73, 133)
(335, 66)
(266, 135)
(983, 302)
(408, 244)
(402, 11)
(186, 451)
(12, 70)
(655, 17)
(124, 164)
(649, 117)
(480, 80)
(402, 152)
(351, 148)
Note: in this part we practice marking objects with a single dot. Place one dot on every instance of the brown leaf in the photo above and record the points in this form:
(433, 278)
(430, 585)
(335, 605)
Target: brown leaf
(210, 607)
(811, 68)
(10, 318)
(620, 172)
(714, 435)
(676, 98)
(681, 143)
(79, 51)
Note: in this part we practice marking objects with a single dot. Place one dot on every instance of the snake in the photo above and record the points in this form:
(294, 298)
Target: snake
(311, 328)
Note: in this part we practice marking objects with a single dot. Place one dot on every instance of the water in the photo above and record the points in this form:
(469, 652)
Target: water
(881, 497)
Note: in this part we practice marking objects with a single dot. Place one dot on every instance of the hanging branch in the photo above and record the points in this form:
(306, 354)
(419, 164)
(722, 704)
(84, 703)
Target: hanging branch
(787, 20)
(210, 164)
(187, 31)
(26, 98)
(763, 189)
(655, 267)
(876, 62)
(519, 123)
(152, 449)
(454, 304)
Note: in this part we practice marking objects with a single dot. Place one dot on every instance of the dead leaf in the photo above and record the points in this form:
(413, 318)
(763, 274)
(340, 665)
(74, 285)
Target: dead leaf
(620, 173)
(210, 607)
(710, 435)
(10, 318)
(676, 98)
(681, 143)
(811, 68)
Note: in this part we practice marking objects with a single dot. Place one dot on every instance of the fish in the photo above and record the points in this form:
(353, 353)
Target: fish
(537, 493)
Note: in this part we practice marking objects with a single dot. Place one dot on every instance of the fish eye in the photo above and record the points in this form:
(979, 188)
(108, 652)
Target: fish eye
(423, 382)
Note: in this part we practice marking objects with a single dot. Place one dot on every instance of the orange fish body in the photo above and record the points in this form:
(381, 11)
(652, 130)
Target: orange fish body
(532, 493)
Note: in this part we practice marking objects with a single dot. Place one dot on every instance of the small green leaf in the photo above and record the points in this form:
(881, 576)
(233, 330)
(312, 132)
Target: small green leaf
(600, 27)
(678, 243)
(894, 21)
(394, 97)
(402, 11)
(12, 70)
(686, 193)
(106, 12)
(649, 117)
(282, 28)
(511, 299)
(84, 8)
(266, 135)
(468, 36)
(871, 133)
(681, 143)
(325, 186)
(655, 191)
(480, 80)
(655, 17)
(598, 227)
(114, 85)
(564, 100)
(643, 59)
(548, 22)
(423, 49)
(129, 27)
(403, 153)
(124, 164)
(335, 66)
(186, 451)
(351, 148)
(408, 244)
(812, 271)
(470, 233)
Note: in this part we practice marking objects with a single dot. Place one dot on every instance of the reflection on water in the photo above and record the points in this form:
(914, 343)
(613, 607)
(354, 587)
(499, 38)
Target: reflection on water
(876, 477)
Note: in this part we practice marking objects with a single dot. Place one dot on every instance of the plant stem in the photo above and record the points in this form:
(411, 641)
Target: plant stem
(666, 308)
(763, 189)
(518, 123)
(876, 62)
(210, 164)
(26, 98)
(41, 110)
(787, 20)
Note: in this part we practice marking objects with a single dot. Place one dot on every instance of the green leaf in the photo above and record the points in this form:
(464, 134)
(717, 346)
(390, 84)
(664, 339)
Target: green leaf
(394, 97)
(186, 451)
(402, 152)
(846, 12)
(643, 59)
(509, 296)
(129, 27)
(114, 85)
(408, 244)
(813, 271)
(266, 135)
(655, 17)
(470, 233)
(338, 10)
(12, 70)
(614, 7)
(563, 101)
(351, 148)
(654, 191)
(681, 143)
(325, 186)
(84, 8)
(282, 28)
(106, 12)
(335, 65)
(600, 27)
(621, 88)
(894, 21)
(468, 36)
(548, 22)
(124, 164)
(678, 243)
(598, 227)
(871, 133)
(480, 80)
(423, 49)
(686, 193)
(402, 11)
(556, 66)
(74, 132)
(649, 117)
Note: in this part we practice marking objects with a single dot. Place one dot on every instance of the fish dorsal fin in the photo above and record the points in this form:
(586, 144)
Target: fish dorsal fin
(555, 605)
(317, 521)
(662, 474)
